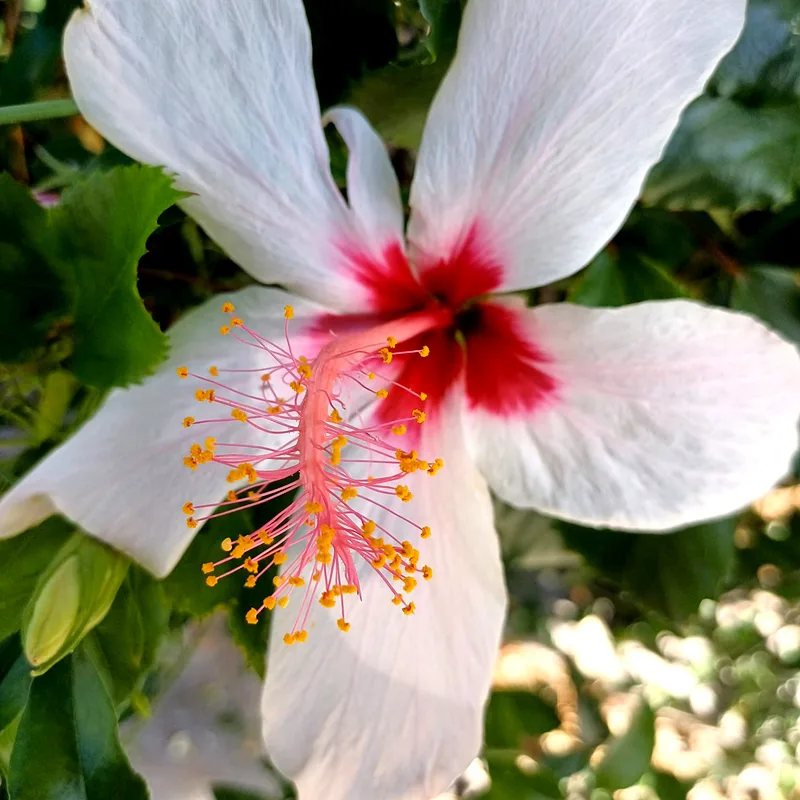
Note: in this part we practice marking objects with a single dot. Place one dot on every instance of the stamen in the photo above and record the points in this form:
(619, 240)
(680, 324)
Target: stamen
(312, 447)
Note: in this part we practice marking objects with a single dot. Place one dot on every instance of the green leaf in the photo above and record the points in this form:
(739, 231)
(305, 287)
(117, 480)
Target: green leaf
(670, 573)
(71, 597)
(35, 290)
(235, 793)
(725, 155)
(67, 745)
(57, 393)
(514, 718)
(611, 281)
(765, 64)
(773, 295)
(510, 783)
(124, 644)
(627, 758)
(29, 553)
(444, 17)
(15, 682)
(396, 100)
(103, 224)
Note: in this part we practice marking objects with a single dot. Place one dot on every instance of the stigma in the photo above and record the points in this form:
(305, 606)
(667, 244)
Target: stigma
(344, 473)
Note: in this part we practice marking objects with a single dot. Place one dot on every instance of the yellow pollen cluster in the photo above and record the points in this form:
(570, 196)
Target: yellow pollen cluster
(188, 508)
(404, 493)
(237, 322)
(224, 330)
(425, 351)
(204, 394)
(228, 308)
(349, 493)
(188, 422)
(382, 393)
(213, 372)
(391, 341)
(386, 354)
(237, 413)
(335, 417)
(336, 450)
(419, 416)
(288, 312)
(183, 372)
(436, 466)
(298, 387)
(399, 430)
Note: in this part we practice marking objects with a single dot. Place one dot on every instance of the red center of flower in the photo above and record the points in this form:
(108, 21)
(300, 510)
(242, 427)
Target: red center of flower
(486, 343)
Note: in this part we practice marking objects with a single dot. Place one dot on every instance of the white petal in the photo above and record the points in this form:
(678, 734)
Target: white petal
(222, 95)
(121, 476)
(393, 709)
(372, 188)
(550, 117)
(668, 413)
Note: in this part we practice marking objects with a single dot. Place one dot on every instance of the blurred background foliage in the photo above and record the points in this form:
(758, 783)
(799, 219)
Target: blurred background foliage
(635, 666)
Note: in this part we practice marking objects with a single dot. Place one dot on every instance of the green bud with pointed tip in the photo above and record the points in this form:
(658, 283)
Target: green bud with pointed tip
(71, 597)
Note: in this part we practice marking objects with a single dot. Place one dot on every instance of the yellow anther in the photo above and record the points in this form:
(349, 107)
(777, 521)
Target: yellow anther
(382, 393)
(324, 558)
(190, 462)
(349, 588)
(425, 533)
(278, 580)
(301, 636)
(389, 550)
(371, 376)
(224, 330)
(232, 496)
(409, 584)
(252, 616)
(392, 342)
(335, 416)
(206, 456)
(314, 508)
(250, 582)
(208, 568)
(398, 600)
(211, 580)
(237, 322)
(399, 430)
(288, 638)
(188, 508)
(407, 549)
(250, 564)
(195, 450)
(298, 387)
(425, 352)
(237, 413)
(427, 573)
(213, 372)
(295, 580)
(327, 600)
(379, 562)
(188, 422)
(183, 372)
(228, 308)
(305, 370)
(343, 626)
(409, 609)
(238, 551)
(280, 557)
(337, 590)
(349, 493)
(210, 443)
(436, 466)
(316, 575)
(423, 396)
(284, 601)
(191, 523)
(288, 312)
(403, 493)
(227, 545)
(386, 354)
(266, 377)
(265, 537)
(273, 409)
(269, 603)
(368, 528)
(200, 395)
(418, 415)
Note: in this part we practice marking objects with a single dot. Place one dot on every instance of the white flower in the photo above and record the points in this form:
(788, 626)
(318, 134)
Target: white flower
(536, 147)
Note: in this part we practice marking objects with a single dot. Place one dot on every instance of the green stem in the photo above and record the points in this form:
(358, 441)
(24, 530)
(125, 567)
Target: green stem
(31, 112)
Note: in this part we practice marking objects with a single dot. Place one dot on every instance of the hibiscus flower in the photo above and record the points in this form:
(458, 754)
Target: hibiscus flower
(536, 147)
